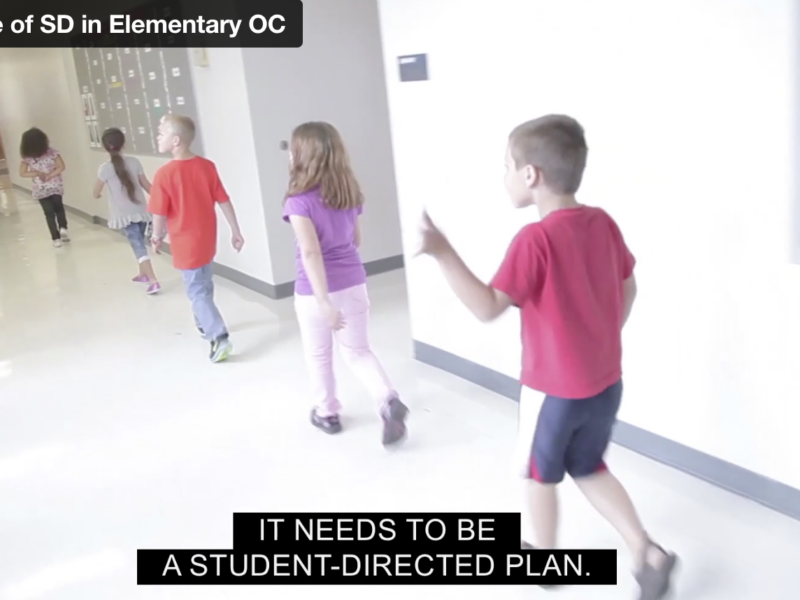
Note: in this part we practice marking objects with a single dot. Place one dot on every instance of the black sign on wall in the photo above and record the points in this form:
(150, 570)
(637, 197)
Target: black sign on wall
(413, 67)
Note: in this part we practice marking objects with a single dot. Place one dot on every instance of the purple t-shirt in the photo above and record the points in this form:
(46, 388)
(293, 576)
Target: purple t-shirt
(336, 231)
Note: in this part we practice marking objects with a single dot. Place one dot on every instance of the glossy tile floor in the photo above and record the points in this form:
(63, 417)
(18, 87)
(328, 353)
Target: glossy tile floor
(117, 434)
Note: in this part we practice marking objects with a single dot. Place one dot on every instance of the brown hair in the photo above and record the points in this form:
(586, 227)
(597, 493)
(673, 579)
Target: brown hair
(556, 145)
(181, 126)
(319, 159)
(113, 140)
(34, 143)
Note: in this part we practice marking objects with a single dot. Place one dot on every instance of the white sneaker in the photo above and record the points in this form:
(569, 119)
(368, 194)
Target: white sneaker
(58, 243)
(64, 235)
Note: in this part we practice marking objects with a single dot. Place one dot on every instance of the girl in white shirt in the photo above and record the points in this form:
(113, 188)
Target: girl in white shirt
(127, 183)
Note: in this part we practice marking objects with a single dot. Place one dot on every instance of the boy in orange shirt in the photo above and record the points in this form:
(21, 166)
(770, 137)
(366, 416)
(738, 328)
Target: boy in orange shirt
(183, 197)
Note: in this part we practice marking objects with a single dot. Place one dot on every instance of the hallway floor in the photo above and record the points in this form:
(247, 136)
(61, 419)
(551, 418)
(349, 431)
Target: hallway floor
(116, 434)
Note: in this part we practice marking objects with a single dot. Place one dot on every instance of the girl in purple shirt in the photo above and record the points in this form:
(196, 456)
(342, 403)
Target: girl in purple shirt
(323, 204)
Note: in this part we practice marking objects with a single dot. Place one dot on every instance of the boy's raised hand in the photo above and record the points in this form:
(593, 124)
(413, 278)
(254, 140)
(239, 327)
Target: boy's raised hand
(433, 243)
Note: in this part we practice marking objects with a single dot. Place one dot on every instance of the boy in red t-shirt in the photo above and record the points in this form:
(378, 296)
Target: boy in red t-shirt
(571, 276)
(183, 198)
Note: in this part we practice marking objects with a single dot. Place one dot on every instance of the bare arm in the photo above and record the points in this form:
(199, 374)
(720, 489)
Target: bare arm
(311, 255)
(97, 191)
(483, 301)
(28, 173)
(159, 207)
(60, 168)
(159, 227)
(629, 291)
(144, 182)
(230, 216)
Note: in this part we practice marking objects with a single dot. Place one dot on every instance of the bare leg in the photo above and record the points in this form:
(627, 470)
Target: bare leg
(146, 269)
(606, 494)
(543, 508)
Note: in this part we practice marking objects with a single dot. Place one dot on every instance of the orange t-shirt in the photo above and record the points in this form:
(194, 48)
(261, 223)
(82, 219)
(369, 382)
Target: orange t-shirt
(186, 192)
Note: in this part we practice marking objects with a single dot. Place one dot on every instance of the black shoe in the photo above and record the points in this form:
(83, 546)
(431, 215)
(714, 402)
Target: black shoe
(329, 425)
(655, 580)
(394, 422)
(527, 546)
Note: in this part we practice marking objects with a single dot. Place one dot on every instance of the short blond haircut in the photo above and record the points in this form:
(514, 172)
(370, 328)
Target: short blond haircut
(554, 144)
(183, 127)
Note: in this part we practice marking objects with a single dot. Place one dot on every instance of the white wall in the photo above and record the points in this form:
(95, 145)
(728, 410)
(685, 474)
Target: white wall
(337, 76)
(35, 92)
(689, 111)
(39, 87)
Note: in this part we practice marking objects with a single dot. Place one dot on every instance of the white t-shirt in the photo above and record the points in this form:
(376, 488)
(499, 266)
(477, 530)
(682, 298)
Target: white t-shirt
(122, 210)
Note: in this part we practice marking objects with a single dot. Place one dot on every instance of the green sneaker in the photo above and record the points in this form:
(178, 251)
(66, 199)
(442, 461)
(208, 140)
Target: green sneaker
(220, 350)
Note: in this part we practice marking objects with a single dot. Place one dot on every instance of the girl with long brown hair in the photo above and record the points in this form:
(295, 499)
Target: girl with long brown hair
(126, 181)
(323, 204)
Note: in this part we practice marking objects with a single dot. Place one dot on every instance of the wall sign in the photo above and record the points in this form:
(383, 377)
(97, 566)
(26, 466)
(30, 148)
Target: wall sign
(413, 67)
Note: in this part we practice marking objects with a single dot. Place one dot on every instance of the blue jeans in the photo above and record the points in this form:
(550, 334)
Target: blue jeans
(135, 234)
(200, 290)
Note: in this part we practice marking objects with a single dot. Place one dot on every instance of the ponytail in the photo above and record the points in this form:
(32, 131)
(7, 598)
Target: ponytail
(124, 175)
(113, 140)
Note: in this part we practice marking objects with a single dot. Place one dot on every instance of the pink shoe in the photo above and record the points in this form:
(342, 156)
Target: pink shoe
(141, 279)
(153, 288)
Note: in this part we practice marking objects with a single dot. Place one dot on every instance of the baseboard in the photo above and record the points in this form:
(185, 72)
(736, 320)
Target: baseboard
(772, 494)
(285, 290)
(277, 291)
(271, 290)
(384, 265)
(84, 215)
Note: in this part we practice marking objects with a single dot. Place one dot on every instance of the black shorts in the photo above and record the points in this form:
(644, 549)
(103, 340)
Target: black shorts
(571, 436)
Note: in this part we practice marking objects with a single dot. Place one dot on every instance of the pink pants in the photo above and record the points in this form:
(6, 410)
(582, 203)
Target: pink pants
(353, 343)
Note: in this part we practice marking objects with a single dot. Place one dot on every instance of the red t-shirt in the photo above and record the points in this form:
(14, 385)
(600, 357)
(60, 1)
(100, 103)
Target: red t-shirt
(186, 192)
(565, 273)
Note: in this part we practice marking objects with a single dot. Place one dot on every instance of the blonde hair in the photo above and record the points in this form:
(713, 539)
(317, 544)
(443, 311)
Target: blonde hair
(183, 127)
(320, 159)
(556, 145)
